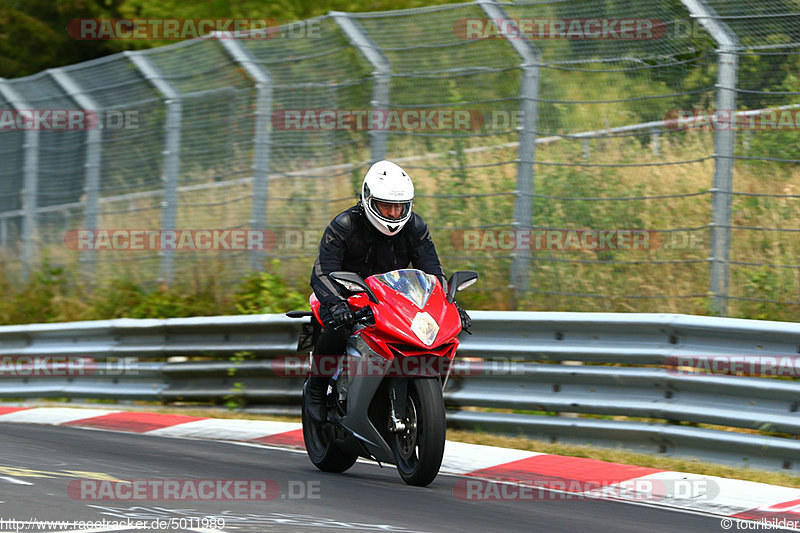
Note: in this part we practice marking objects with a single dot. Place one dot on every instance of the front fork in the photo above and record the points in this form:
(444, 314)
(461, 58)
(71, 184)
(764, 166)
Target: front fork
(399, 390)
(397, 395)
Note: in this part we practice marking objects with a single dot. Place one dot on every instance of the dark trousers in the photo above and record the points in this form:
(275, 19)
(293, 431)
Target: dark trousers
(331, 343)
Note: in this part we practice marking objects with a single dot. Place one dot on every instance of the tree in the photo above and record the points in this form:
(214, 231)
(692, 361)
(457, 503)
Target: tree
(33, 34)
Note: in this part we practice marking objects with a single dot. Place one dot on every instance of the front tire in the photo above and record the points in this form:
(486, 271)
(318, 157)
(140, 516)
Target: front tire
(419, 449)
(321, 445)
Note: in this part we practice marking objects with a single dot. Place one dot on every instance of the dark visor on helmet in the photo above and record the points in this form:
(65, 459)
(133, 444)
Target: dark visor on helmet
(390, 211)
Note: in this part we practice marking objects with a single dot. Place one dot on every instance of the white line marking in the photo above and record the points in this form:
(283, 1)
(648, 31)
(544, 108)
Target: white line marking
(662, 506)
(15, 481)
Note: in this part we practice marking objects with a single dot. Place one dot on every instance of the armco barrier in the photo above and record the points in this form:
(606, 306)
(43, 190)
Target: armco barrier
(514, 361)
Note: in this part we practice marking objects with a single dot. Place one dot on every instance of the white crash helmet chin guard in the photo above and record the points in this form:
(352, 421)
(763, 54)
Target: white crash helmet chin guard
(386, 182)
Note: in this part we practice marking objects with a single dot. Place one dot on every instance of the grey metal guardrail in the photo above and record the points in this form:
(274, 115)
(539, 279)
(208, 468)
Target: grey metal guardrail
(514, 375)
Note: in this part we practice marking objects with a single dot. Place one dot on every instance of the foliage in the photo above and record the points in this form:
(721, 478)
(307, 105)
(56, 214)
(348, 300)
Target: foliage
(124, 298)
(41, 299)
(54, 294)
(278, 10)
(264, 292)
(763, 283)
(33, 35)
(593, 89)
(235, 399)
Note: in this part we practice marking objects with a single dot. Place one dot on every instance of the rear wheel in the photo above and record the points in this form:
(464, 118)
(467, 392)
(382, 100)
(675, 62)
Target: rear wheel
(418, 450)
(321, 445)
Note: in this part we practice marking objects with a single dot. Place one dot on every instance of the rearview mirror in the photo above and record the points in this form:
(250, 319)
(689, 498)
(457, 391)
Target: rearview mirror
(460, 280)
(353, 282)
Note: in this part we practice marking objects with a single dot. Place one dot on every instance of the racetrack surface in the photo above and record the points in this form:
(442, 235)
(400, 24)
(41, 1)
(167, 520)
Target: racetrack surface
(39, 464)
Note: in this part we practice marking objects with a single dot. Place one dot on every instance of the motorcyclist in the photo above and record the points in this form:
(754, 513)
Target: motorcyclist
(379, 234)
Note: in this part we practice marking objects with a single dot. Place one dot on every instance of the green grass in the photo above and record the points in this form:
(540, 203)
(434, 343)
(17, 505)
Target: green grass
(213, 284)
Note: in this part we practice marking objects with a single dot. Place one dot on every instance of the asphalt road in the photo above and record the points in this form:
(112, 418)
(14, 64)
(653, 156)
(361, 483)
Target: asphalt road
(61, 473)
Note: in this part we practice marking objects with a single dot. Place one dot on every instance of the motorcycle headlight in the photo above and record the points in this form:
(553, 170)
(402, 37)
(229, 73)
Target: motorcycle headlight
(425, 328)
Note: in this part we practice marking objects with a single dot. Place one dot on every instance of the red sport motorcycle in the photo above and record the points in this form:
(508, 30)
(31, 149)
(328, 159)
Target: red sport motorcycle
(384, 398)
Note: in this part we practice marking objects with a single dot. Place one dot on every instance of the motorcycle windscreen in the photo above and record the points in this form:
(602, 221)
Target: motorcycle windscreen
(414, 285)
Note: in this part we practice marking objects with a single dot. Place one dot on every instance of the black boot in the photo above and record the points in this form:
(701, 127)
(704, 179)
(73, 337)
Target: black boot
(329, 343)
(316, 390)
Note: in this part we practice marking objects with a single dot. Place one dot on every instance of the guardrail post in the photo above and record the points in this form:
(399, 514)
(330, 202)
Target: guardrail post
(382, 76)
(30, 188)
(724, 137)
(94, 138)
(172, 151)
(526, 155)
(262, 139)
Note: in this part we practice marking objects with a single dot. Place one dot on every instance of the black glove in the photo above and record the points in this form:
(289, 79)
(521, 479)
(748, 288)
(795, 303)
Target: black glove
(339, 315)
(466, 321)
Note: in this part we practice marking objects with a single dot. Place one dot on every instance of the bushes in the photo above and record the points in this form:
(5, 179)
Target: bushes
(46, 297)
(54, 294)
(263, 292)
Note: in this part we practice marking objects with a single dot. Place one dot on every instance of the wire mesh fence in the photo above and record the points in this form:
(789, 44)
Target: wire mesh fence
(581, 155)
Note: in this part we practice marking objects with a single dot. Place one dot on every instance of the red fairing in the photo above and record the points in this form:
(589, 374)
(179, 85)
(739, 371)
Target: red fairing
(391, 332)
(314, 303)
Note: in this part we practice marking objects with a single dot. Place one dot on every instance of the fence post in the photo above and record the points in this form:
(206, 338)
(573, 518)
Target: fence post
(724, 138)
(655, 140)
(172, 152)
(261, 140)
(30, 188)
(94, 138)
(526, 155)
(381, 76)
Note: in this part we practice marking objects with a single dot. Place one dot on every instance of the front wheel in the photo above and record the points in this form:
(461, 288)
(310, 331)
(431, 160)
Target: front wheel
(321, 445)
(418, 450)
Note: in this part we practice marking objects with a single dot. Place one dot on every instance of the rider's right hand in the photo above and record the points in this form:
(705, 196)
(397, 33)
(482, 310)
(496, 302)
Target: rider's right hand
(340, 315)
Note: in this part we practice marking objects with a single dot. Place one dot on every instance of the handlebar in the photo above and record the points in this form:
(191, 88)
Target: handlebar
(364, 312)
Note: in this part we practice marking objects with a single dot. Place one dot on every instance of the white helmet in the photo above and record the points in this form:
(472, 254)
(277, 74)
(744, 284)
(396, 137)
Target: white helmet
(387, 183)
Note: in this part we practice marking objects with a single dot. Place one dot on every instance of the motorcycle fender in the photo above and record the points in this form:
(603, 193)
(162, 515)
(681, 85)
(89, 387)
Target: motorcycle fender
(399, 391)
(361, 390)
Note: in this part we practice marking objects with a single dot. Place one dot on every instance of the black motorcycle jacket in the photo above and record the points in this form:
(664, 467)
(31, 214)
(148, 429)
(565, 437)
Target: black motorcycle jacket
(352, 243)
